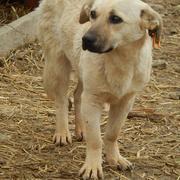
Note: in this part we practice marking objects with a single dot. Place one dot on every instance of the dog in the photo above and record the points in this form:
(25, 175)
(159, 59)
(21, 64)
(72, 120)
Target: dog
(109, 44)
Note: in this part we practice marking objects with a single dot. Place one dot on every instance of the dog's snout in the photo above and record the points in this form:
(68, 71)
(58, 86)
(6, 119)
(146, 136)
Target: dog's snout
(93, 42)
(89, 40)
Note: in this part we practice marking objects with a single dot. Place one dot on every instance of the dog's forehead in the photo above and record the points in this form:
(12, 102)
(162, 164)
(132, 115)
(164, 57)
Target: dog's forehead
(102, 4)
(130, 8)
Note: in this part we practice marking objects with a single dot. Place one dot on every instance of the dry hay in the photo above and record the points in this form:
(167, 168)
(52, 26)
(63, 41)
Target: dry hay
(150, 137)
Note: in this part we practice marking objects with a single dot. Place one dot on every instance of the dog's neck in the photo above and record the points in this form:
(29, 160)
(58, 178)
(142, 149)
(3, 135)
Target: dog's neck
(126, 56)
(120, 66)
(130, 50)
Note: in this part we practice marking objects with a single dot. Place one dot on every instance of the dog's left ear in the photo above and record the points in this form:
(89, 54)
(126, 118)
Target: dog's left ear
(152, 21)
(84, 15)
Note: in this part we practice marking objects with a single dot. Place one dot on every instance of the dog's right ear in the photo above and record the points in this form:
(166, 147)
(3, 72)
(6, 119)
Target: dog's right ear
(152, 21)
(84, 15)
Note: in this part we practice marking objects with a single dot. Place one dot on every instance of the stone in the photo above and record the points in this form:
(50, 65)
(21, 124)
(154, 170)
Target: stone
(19, 32)
(160, 64)
(157, 7)
(174, 95)
(177, 69)
(4, 137)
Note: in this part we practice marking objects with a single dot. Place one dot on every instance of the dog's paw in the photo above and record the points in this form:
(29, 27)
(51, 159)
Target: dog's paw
(123, 164)
(91, 170)
(62, 138)
(80, 133)
(80, 136)
(120, 162)
(114, 158)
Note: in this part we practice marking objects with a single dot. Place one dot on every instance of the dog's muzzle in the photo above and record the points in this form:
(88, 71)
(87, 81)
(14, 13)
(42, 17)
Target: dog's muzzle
(91, 43)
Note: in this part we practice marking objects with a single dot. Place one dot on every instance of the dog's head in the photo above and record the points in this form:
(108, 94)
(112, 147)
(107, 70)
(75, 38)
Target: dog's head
(116, 23)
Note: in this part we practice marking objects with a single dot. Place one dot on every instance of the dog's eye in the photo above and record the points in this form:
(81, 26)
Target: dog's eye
(93, 14)
(115, 19)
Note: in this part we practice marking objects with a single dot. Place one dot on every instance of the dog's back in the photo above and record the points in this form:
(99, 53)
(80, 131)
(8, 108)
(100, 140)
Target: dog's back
(58, 26)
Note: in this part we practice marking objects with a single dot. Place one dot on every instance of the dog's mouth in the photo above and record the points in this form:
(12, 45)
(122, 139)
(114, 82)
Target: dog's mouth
(97, 50)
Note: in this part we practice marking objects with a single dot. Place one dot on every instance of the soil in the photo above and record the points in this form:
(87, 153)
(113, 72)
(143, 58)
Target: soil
(150, 138)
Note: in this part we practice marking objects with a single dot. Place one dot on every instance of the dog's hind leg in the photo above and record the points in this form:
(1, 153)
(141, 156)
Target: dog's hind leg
(56, 79)
(117, 115)
(79, 124)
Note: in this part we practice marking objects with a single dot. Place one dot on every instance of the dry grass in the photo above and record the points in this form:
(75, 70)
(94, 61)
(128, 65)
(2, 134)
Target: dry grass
(150, 137)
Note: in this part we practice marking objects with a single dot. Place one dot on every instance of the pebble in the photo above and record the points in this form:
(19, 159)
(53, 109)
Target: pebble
(4, 137)
(1, 63)
(157, 7)
(175, 95)
(176, 9)
(160, 64)
(177, 69)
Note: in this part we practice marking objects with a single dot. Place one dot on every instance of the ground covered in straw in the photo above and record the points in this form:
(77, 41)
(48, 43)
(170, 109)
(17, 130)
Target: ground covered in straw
(150, 138)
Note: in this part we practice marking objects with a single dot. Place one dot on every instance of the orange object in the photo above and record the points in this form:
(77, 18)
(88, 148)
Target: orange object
(156, 42)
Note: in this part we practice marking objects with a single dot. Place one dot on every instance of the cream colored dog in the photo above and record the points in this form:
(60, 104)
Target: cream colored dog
(109, 44)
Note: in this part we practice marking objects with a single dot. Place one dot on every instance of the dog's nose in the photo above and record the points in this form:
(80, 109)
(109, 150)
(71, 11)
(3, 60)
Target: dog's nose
(89, 40)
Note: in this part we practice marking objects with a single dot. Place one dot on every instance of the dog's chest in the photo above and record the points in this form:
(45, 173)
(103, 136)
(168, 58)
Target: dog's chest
(124, 77)
(118, 80)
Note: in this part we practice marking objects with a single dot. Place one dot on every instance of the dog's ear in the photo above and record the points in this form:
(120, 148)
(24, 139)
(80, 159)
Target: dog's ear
(84, 15)
(152, 21)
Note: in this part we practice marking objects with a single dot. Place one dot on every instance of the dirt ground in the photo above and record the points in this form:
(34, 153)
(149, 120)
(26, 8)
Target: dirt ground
(150, 138)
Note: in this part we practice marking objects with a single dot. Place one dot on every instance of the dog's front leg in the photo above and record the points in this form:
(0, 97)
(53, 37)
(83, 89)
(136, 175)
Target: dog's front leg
(91, 110)
(117, 115)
